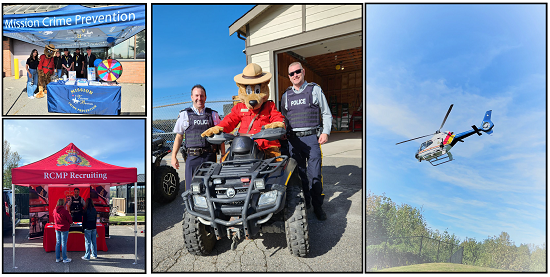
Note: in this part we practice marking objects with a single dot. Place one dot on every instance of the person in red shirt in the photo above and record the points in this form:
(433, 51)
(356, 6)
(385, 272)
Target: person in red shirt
(63, 220)
(254, 110)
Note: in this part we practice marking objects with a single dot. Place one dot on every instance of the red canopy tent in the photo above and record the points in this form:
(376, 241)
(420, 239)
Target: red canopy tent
(71, 166)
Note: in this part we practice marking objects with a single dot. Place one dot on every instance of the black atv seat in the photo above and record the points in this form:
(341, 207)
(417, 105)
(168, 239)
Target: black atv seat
(242, 145)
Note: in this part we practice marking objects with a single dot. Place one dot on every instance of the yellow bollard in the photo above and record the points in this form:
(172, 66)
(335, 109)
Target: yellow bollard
(16, 68)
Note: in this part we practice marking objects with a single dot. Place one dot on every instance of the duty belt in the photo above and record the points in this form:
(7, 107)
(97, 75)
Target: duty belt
(303, 133)
(198, 151)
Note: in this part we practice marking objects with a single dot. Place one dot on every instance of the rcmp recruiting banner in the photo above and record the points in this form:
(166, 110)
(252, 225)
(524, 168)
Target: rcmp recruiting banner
(38, 210)
(104, 100)
(100, 197)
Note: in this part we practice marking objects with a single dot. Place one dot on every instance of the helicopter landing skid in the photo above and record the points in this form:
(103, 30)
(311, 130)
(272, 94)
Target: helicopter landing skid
(441, 159)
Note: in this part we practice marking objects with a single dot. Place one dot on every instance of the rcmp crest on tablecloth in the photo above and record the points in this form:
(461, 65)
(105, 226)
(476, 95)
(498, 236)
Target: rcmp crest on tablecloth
(72, 157)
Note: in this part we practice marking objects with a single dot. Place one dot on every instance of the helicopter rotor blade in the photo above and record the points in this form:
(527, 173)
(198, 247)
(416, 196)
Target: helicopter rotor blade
(445, 119)
(414, 138)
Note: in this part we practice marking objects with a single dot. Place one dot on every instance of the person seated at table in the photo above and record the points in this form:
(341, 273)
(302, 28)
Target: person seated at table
(76, 206)
(90, 232)
(63, 221)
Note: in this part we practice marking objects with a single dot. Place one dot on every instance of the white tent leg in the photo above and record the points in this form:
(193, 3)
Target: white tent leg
(135, 222)
(13, 221)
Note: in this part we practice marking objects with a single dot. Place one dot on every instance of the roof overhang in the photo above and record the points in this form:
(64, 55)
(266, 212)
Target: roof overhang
(240, 24)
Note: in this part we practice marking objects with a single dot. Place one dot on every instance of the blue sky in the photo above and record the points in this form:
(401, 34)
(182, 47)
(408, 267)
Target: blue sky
(421, 59)
(191, 45)
(117, 142)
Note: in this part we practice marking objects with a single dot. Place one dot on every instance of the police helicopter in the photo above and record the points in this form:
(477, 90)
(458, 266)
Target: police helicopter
(436, 149)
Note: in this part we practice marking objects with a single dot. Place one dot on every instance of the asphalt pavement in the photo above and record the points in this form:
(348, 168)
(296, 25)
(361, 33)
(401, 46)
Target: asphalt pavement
(335, 244)
(16, 102)
(31, 257)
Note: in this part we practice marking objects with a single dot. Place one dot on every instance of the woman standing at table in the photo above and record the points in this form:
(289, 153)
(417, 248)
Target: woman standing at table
(90, 232)
(57, 62)
(63, 220)
(32, 73)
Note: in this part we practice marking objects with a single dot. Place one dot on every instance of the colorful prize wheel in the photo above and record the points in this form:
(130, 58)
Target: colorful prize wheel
(109, 70)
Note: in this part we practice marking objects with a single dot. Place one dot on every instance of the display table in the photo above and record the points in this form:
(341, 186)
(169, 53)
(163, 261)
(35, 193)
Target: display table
(76, 240)
(103, 100)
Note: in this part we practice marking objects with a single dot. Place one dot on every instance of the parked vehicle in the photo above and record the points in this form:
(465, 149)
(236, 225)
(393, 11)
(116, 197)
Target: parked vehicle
(7, 223)
(166, 181)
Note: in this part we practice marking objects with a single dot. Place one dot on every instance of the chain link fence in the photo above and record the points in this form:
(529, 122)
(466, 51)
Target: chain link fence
(165, 116)
(401, 251)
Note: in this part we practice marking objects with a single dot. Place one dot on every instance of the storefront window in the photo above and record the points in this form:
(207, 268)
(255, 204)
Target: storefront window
(141, 45)
(124, 50)
(132, 48)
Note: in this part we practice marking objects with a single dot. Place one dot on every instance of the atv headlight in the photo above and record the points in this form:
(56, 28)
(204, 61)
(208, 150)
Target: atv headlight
(259, 184)
(196, 187)
(217, 181)
(200, 201)
(267, 198)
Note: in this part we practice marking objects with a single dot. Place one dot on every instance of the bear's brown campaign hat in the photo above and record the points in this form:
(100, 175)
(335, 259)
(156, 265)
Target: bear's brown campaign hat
(51, 47)
(252, 74)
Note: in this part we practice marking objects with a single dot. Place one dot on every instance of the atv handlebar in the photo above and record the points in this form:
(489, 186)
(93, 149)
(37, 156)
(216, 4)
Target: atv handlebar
(268, 134)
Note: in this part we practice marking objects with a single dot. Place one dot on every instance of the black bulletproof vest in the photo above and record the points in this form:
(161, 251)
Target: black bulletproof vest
(300, 109)
(197, 125)
(76, 205)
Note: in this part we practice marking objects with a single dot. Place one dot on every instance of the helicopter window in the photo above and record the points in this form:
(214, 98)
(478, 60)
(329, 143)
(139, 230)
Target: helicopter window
(425, 144)
(422, 146)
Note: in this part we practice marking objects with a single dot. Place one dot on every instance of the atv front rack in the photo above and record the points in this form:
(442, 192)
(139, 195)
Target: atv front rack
(251, 168)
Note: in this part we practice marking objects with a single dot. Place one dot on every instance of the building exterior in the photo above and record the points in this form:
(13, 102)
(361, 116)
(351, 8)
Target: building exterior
(130, 53)
(326, 39)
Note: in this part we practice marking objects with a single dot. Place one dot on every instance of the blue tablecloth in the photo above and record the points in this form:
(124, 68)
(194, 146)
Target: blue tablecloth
(83, 99)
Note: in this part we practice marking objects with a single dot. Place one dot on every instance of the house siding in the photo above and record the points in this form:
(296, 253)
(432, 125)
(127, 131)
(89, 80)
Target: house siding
(318, 16)
(276, 22)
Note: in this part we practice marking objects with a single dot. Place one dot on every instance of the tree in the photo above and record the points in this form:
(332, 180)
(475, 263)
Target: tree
(472, 251)
(522, 258)
(11, 160)
(141, 44)
(538, 259)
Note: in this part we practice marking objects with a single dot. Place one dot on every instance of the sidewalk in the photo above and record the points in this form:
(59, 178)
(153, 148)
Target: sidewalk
(15, 101)
(31, 257)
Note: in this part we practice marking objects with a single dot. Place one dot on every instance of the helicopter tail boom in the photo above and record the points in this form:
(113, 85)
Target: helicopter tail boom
(486, 126)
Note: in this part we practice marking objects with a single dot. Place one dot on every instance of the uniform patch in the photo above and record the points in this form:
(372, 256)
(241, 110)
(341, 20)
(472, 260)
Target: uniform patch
(244, 110)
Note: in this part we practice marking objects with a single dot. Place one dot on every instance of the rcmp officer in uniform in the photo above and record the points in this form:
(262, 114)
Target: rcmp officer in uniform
(76, 206)
(192, 122)
(309, 123)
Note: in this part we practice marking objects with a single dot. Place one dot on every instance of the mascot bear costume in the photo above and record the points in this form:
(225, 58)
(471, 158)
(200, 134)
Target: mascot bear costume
(254, 110)
(45, 70)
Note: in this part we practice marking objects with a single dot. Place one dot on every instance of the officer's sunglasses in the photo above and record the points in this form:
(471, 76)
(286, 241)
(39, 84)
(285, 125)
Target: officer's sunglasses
(297, 72)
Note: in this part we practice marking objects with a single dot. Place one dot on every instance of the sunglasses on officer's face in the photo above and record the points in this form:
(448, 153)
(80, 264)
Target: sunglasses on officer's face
(295, 72)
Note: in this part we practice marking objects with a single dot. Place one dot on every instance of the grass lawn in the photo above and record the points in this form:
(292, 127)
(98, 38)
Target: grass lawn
(114, 219)
(441, 267)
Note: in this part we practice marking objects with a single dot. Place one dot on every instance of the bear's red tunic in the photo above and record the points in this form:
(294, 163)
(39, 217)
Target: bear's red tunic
(241, 114)
(46, 64)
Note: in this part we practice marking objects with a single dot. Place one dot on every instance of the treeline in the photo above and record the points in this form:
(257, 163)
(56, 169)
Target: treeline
(416, 242)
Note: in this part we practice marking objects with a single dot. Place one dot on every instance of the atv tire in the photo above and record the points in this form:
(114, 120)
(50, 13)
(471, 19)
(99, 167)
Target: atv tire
(198, 238)
(295, 213)
(167, 184)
